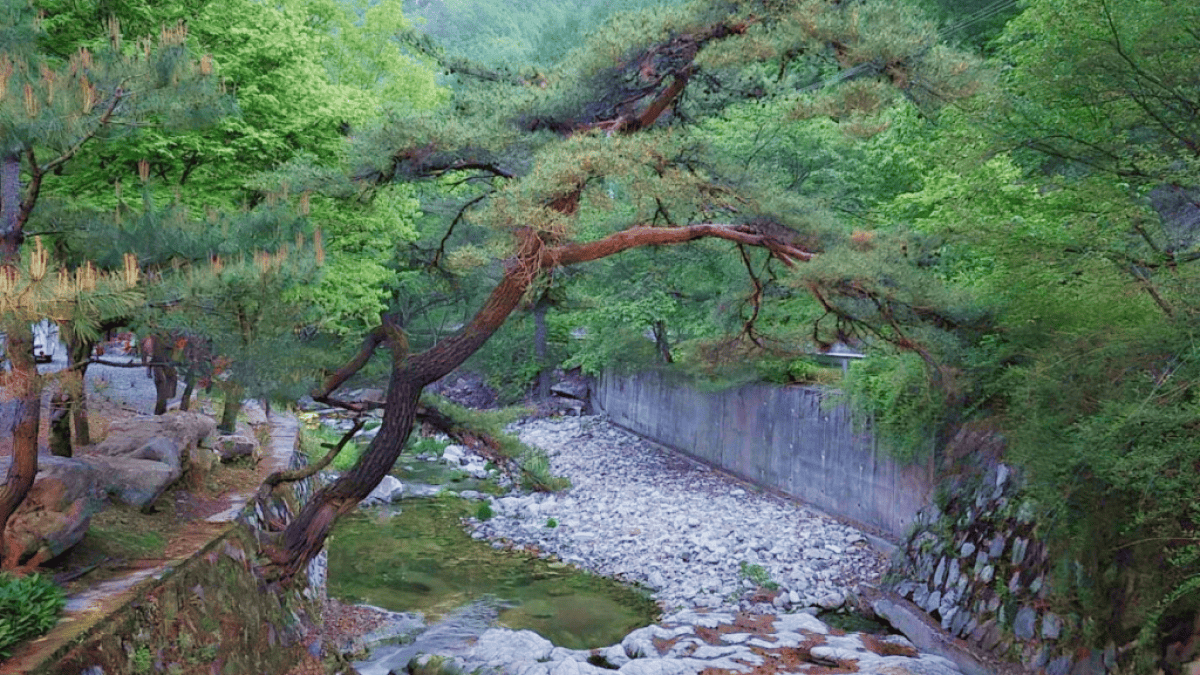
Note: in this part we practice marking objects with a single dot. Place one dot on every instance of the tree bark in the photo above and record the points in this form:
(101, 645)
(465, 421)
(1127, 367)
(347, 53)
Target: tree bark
(189, 386)
(25, 387)
(21, 386)
(11, 231)
(60, 424)
(79, 352)
(305, 535)
(539, 347)
(661, 342)
(229, 413)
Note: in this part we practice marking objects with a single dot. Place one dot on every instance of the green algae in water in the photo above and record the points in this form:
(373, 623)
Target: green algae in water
(854, 622)
(421, 560)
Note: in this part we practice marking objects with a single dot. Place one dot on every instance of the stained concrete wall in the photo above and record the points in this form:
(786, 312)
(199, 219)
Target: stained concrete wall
(788, 438)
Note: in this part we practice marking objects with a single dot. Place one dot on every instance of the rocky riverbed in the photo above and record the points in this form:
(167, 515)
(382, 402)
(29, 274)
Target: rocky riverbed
(741, 574)
(695, 537)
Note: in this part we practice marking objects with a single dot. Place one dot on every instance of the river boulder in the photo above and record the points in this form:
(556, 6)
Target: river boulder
(133, 481)
(162, 438)
(143, 456)
(231, 448)
(56, 513)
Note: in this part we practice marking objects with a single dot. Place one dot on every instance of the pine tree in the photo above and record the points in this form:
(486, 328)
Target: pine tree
(50, 109)
(553, 151)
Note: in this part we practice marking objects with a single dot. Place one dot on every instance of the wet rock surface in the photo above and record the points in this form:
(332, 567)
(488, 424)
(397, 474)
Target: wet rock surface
(685, 643)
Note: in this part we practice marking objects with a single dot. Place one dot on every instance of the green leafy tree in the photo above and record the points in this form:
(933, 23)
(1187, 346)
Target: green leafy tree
(301, 75)
(516, 34)
(1061, 205)
(275, 60)
(239, 307)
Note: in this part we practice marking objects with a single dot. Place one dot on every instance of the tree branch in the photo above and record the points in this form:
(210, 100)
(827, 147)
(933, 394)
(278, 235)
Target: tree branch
(339, 377)
(310, 470)
(755, 298)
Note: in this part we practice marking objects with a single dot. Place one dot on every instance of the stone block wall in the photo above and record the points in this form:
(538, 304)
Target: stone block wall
(976, 563)
(794, 439)
(211, 614)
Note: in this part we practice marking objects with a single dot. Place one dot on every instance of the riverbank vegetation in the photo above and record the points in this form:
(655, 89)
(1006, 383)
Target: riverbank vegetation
(998, 203)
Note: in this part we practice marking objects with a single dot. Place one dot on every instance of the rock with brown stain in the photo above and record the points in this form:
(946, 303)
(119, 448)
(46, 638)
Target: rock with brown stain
(55, 514)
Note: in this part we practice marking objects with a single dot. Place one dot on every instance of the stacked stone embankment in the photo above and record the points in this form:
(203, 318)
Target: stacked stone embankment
(979, 567)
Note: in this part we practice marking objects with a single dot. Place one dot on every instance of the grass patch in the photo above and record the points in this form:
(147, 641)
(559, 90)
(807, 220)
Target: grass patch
(125, 532)
(316, 439)
(757, 574)
(533, 464)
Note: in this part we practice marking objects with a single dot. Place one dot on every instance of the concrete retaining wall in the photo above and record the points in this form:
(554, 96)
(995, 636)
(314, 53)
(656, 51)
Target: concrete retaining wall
(787, 438)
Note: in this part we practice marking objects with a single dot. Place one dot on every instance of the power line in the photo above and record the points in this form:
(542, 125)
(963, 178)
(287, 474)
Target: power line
(983, 14)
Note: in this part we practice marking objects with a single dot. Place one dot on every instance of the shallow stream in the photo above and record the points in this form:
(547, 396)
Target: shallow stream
(417, 558)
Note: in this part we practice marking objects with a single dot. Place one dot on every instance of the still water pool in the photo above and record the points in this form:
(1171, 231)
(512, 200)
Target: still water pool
(421, 560)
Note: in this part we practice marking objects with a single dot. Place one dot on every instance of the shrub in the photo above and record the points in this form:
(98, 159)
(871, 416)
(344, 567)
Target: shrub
(316, 440)
(425, 445)
(532, 462)
(29, 606)
(535, 473)
(757, 574)
(906, 410)
(483, 512)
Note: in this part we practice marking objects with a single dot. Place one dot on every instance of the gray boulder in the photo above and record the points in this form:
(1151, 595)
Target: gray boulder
(574, 388)
(57, 511)
(163, 438)
(142, 456)
(389, 490)
(231, 448)
(133, 481)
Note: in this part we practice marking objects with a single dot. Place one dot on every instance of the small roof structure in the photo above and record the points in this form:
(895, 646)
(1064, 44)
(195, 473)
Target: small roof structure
(841, 353)
(840, 350)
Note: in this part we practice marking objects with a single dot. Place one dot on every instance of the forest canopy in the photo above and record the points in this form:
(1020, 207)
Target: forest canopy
(998, 203)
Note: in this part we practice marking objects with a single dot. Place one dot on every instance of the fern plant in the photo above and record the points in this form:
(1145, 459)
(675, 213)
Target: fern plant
(29, 606)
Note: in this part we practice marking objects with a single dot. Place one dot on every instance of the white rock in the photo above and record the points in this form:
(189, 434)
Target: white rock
(454, 454)
(500, 646)
(835, 655)
(794, 623)
(575, 667)
(389, 490)
(615, 655)
(659, 667)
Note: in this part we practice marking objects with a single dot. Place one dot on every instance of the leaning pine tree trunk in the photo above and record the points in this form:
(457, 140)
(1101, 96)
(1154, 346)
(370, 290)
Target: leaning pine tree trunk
(21, 386)
(305, 535)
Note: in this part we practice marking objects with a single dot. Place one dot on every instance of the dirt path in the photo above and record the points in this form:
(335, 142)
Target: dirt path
(125, 547)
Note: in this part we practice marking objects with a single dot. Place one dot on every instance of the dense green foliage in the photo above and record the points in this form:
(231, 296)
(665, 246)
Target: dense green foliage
(1081, 243)
(29, 606)
(1010, 231)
